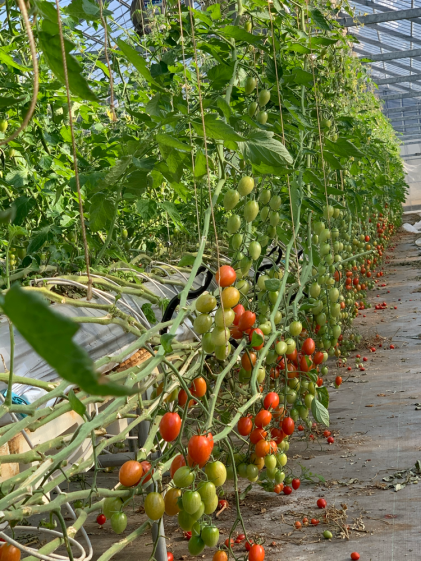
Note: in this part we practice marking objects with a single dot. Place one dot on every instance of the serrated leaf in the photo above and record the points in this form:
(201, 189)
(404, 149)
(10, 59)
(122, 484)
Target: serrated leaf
(272, 285)
(319, 19)
(224, 107)
(76, 404)
(147, 208)
(101, 211)
(172, 211)
(216, 129)
(220, 74)
(8, 61)
(39, 240)
(310, 177)
(200, 168)
(187, 260)
(166, 340)
(343, 147)
(8, 215)
(332, 160)
(312, 374)
(303, 77)
(149, 313)
(319, 412)
(138, 62)
(261, 148)
(239, 34)
(323, 396)
(51, 336)
(17, 177)
(256, 339)
(83, 9)
(168, 140)
(23, 206)
(299, 48)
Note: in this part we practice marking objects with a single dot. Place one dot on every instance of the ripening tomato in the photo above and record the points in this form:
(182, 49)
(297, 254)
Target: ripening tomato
(130, 473)
(220, 556)
(278, 488)
(170, 556)
(288, 426)
(305, 363)
(293, 356)
(118, 523)
(182, 399)
(256, 553)
(147, 471)
(246, 320)
(262, 448)
(170, 426)
(198, 387)
(154, 505)
(262, 418)
(271, 400)
(200, 449)
(239, 311)
(171, 501)
(245, 426)
(177, 463)
(225, 276)
(230, 297)
(9, 552)
(308, 347)
(256, 435)
(248, 360)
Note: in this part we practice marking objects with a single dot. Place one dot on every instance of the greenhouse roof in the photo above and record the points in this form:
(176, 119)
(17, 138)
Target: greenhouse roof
(389, 34)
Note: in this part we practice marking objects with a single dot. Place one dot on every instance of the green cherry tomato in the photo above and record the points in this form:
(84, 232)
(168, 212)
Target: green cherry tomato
(234, 223)
(207, 344)
(264, 97)
(275, 202)
(270, 461)
(119, 522)
(251, 210)
(191, 501)
(199, 512)
(264, 196)
(210, 535)
(183, 477)
(220, 336)
(281, 347)
(254, 250)
(202, 323)
(207, 491)
(295, 328)
(185, 521)
(250, 84)
(196, 545)
(3, 126)
(291, 346)
(216, 472)
(231, 199)
(252, 108)
(154, 505)
(222, 352)
(205, 303)
(236, 241)
(245, 185)
(252, 472)
(262, 117)
(111, 505)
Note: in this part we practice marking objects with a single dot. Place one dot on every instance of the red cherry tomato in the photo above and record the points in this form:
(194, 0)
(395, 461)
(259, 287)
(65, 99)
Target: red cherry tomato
(288, 426)
(256, 435)
(262, 418)
(239, 310)
(308, 347)
(170, 556)
(200, 449)
(287, 490)
(321, 503)
(248, 545)
(101, 519)
(295, 483)
(225, 276)
(245, 426)
(170, 426)
(271, 400)
(228, 541)
(256, 553)
(246, 320)
(318, 357)
(355, 556)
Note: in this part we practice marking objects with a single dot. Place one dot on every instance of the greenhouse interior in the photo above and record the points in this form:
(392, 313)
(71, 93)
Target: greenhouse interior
(211, 280)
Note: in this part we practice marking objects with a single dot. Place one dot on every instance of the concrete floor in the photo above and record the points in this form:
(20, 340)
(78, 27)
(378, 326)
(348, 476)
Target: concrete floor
(377, 432)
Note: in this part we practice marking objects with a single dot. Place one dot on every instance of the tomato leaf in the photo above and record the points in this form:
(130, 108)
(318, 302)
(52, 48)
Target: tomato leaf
(149, 313)
(256, 339)
(51, 336)
(319, 19)
(323, 396)
(312, 374)
(168, 140)
(272, 285)
(239, 34)
(216, 129)
(147, 208)
(320, 413)
(166, 340)
(187, 260)
(310, 177)
(76, 404)
(101, 211)
(343, 147)
(261, 148)
(138, 62)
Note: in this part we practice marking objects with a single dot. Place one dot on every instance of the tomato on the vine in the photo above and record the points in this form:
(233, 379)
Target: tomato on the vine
(245, 426)
(198, 387)
(262, 418)
(308, 347)
(271, 400)
(288, 426)
(170, 426)
(130, 473)
(101, 520)
(256, 553)
(200, 449)
(246, 320)
(225, 276)
(9, 552)
(257, 434)
(118, 522)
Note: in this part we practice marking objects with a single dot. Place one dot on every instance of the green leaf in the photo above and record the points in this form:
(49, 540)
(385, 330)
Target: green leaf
(322, 41)
(216, 129)
(310, 177)
(166, 340)
(101, 211)
(299, 48)
(51, 48)
(200, 168)
(319, 19)
(51, 336)
(320, 413)
(23, 206)
(8, 215)
(76, 404)
(220, 74)
(172, 211)
(239, 34)
(138, 62)
(312, 374)
(83, 9)
(187, 260)
(9, 101)
(256, 339)
(147, 208)
(334, 191)
(168, 140)
(272, 285)
(149, 313)
(8, 60)
(39, 240)
(224, 107)
(261, 148)
(303, 77)
(17, 178)
(343, 147)
(332, 160)
(323, 396)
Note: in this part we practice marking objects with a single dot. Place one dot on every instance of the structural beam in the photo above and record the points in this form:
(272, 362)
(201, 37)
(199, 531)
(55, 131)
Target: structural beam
(393, 15)
(398, 79)
(393, 55)
(402, 96)
(393, 62)
(379, 8)
(391, 110)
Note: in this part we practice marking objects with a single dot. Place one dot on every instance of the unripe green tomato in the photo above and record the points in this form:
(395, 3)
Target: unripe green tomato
(327, 535)
(233, 224)
(230, 473)
(220, 336)
(312, 388)
(294, 383)
(265, 196)
(236, 241)
(281, 458)
(262, 117)
(263, 240)
(245, 186)
(196, 529)
(270, 461)
(251, 210)
(261, 375)
(275, 202)
(207, 491)
(244, 376)
(248, 26)
(261, 281)
(303, 411)
(207, 343)
(308, 399)
(252, 472)
(328, 211)
(335, 310)
(295, 328)
(278, 317)
(324, 249)
(12, 153)
(336, 331)
(324, 235)
(291, 346)
(250, 84)
(245, 265)
(222, 351)
(324, 370)
(243, 286)
(264, 97)
(317, 307)
(291, 396)
(270, 473)
(318, 227)
(252, 108)
(279, 475)
(224, 318)
(304, 385)
(286, 445)
(274, 218)
(3, 125)
(272, 232)
(238, 458)
(231, 199)
(242, 470)
(315, 289)
(119, 521)
(281, 347)
(271, 357)
(338, 258)
(199, 512)
(196, 545)
(273, 296)
(264, 213)
(191, 501)
(321, 319)
(266, 327)
(254, 250)
(333, 294)
(202, 323)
